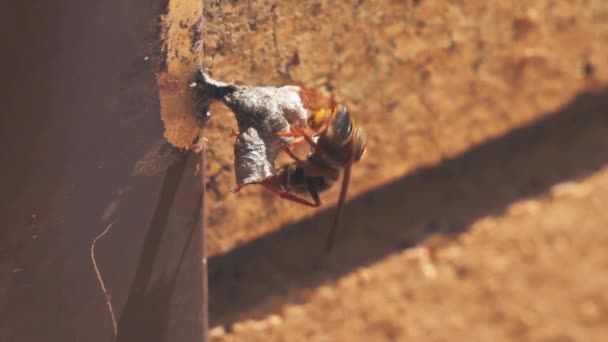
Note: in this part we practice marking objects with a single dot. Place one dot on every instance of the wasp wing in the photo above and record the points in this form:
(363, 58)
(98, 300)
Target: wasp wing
(313, 100)
(339, 209)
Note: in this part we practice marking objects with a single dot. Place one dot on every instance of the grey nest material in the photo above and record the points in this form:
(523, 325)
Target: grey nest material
(261, 113)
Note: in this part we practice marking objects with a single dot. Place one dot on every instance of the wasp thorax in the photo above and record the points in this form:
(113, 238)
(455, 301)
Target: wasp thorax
(342, 126)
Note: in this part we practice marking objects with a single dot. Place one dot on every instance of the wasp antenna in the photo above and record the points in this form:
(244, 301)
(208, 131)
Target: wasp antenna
(309, 98)
(332, 103)
(314, 100)
(339, 209)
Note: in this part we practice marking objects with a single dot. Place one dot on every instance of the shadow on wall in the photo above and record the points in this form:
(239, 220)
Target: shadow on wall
(145, 316)
(444, 199)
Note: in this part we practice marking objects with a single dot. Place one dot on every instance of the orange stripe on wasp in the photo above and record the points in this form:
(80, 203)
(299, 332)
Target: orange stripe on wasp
(336, 143)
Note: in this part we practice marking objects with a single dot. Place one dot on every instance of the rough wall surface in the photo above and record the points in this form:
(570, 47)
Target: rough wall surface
(524, 275)
(426, 79)
(529, 262)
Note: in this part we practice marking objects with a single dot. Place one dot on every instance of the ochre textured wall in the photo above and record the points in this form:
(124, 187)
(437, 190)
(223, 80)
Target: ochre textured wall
(426, 79)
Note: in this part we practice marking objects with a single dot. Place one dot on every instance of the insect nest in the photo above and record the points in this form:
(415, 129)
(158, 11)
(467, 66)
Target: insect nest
(261, 112)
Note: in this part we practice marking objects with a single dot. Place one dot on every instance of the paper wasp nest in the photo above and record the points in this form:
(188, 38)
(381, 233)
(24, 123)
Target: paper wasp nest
(261, 113)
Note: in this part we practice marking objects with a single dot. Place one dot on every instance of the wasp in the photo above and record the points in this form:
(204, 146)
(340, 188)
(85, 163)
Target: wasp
(336, 143)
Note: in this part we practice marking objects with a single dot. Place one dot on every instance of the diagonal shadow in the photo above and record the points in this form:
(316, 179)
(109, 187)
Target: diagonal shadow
(249, 281)
(145, 316)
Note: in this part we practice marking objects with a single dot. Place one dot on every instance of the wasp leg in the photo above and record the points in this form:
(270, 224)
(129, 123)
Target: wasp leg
(294, 198)
(321, 129)
(297, 132)
(292, 155)
(289, 134)
(283, 194)
(314, 194)
(239, 187)
(297, 141)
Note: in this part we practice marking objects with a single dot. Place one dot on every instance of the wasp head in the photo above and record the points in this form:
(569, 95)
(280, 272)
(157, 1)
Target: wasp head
(318, 119)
